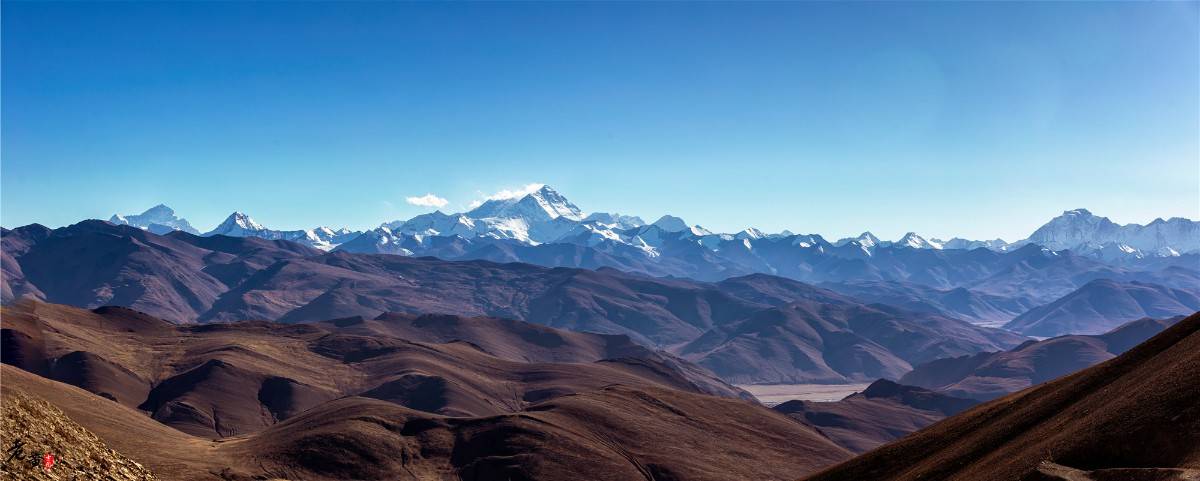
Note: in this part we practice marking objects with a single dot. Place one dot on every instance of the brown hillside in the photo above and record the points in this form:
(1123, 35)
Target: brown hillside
(1127, 418)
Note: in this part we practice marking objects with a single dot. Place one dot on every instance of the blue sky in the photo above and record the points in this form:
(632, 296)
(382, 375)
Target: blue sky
(971, 119)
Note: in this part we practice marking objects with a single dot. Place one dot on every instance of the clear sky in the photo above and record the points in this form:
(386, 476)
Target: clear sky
(971, 119)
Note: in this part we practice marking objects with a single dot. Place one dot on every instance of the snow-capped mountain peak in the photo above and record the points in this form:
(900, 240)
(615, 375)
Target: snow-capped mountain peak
(915, 241)
(159, 219)
(966, 244)
(542, 204)
(535, 215)
(238, 224)
(1083, 232)
(670, 223)
(554, 203)
(159, 212)
(866, 240)
(750, 233)
(619, 221)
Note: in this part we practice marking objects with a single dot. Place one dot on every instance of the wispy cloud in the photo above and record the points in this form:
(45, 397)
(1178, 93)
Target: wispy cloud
(427, 200)
(505, 194)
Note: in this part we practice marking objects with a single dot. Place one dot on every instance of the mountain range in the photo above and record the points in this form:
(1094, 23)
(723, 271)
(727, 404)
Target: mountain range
(544, 216)
(527, 339)
(721, 325)
(984, 282)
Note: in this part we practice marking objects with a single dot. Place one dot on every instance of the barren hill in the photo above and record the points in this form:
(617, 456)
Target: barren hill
(1133, 417)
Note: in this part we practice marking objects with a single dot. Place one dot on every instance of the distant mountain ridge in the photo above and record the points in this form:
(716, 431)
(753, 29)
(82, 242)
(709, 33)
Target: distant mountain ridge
(544, 216)
(1104, 304)
(241, 225)
(986, 282)
(989, 375)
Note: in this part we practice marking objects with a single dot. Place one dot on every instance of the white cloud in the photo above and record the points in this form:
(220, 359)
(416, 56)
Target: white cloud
(514, 194)
(505, 194)
(427, 200)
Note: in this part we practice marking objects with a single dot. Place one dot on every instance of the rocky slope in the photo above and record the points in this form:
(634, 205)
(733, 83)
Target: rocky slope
(32, 428)
(616, 432)
(1132, 417)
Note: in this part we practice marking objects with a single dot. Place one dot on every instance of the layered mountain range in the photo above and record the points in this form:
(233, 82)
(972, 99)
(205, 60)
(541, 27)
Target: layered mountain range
(544, 216)
(526, 339)
(186, 278)
(984, 282)
(443, 364)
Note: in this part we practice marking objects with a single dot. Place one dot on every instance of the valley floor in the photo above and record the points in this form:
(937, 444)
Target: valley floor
(773, 394)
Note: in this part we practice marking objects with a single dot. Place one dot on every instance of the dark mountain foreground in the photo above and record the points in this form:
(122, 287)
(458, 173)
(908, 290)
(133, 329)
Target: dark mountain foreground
(882, 413)
(989, 375)
(223, 380)
(1135, 417)
(612, 433)
(348, 399)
